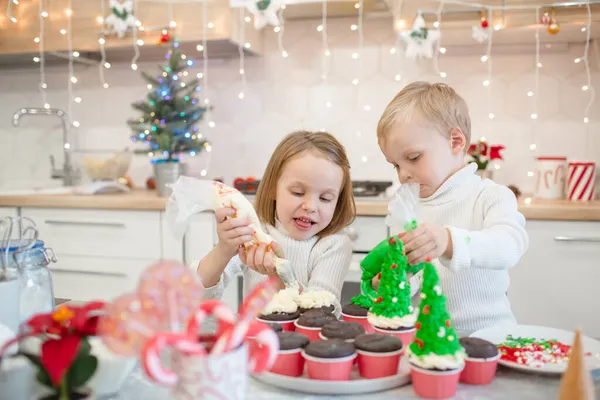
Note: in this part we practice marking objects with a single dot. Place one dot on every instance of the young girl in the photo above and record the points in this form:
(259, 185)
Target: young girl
(304, 201)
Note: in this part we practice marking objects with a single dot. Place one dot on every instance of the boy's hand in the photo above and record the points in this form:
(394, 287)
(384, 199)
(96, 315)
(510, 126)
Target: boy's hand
(259, 258)
(427, 241)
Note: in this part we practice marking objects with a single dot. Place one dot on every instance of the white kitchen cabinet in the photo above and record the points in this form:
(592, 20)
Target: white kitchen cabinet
(172, 249)
(556, 281)
(101, 253)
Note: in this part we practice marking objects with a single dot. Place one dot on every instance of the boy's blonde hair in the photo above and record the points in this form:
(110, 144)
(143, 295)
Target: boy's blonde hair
(297, 143)
(436, 103)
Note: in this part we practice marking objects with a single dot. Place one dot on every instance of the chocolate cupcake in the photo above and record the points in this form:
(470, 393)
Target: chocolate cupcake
(347, 331)
(280, 316)
(354, 310)
(334, 348)
(478, 348)
(290, 361)
(282, 310)
(292, 341)
(316, 300)
(378, 355)
(376, 343)
(310, 324)
(316, 312)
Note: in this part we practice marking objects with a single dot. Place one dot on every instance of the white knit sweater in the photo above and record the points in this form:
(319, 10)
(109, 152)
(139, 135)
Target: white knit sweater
(488, 238)
(319, 264)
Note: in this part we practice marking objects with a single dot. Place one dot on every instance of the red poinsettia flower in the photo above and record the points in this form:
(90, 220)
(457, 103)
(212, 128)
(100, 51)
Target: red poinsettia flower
(66, 326)
(495, 152)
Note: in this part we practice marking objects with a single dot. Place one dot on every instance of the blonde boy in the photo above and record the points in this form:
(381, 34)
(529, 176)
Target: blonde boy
(471, 225)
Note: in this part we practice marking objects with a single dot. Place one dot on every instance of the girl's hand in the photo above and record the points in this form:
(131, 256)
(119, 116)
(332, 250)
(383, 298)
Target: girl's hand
(261, 259)
(427, 241)
(232, 232)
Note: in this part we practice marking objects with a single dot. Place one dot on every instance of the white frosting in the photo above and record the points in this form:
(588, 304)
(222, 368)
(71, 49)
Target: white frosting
(431, 361)
(407, 321)
(315, 299)
(284, 301)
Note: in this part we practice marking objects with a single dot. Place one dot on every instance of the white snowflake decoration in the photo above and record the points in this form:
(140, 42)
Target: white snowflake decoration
(121, 18)
(394, 299)
(419, 39)
(264, 12)
(441, 332)
(438, 290)
(480, 34)
(401, 285)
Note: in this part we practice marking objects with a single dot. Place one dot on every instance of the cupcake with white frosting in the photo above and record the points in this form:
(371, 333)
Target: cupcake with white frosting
(316, 300)
(282, 309)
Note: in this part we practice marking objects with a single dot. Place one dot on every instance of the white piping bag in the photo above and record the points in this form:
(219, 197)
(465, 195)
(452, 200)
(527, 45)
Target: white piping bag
(191, 196)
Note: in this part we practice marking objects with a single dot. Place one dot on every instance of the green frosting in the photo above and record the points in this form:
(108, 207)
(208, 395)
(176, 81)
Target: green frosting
(362, 301)
(372, 264)
(394, 291)
(435, 330)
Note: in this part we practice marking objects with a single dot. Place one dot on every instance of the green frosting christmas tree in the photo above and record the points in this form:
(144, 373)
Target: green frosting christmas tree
(171, 112)
(393, 298)
(435, 330)
(372, 264)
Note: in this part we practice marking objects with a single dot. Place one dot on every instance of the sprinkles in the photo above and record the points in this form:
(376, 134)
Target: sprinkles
(534, 352)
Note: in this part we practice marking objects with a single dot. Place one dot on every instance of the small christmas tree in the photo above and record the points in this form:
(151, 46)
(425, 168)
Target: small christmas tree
(394, 291)
(373, 262)
(435, 330)
(171, 112)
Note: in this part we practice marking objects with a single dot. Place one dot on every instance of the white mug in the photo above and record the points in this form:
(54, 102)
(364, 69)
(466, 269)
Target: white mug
(221, 377)
(550, 178)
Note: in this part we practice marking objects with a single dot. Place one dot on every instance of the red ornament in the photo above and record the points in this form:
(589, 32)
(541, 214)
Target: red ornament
(393, 266)
(392, 240)
(419, 342)
(448, 323)
(151, 183)
(418, 325)
(164, 38)
(379, 299)
(379, 275)
(426, 309)
(484, 23)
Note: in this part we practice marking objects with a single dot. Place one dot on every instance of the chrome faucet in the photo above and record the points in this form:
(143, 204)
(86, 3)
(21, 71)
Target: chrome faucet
(68, 174)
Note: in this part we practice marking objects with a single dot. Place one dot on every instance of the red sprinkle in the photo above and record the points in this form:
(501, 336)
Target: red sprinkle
(448, 323)
(393, 266)
(379, 299)
(392, 240)
(426, 309)
(418, 325)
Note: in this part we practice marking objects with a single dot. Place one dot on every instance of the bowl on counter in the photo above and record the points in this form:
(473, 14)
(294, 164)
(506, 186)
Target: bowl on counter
(107, 168)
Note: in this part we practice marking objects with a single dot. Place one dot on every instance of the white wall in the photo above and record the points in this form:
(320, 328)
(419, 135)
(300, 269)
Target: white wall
(287, 94)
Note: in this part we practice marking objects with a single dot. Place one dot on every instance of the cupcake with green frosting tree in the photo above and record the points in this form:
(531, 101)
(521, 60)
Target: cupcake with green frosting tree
(392, 312)
(436, 356)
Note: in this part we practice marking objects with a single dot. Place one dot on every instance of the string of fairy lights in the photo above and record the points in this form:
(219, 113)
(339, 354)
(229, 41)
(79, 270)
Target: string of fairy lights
(326, 53)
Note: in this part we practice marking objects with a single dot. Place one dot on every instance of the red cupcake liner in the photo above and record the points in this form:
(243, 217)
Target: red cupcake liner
(361, 320)
(407, 336)
(479, 371)
(378, 365)
(311, 333)
(289, 363)
(329, 369)
(288, 326)
(434, 384)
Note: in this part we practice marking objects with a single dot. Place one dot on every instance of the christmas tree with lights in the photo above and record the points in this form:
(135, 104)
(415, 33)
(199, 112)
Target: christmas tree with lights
(170, 113)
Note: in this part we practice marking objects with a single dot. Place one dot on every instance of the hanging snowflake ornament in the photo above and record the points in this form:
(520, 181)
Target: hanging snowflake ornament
(121, 18)
(264, 12)
(420, 40)
(479, 34)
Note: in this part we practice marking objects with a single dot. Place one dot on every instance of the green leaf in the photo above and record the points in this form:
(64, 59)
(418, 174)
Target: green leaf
(81, 371)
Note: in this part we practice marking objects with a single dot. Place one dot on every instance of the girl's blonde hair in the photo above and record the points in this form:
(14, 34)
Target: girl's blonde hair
(297, 143)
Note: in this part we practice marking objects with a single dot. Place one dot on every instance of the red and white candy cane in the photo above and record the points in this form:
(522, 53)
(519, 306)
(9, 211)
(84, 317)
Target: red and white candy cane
(262, 357)
(224, 316)
(152, 364)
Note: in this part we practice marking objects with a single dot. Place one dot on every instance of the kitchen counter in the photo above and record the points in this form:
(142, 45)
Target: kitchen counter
(508, 384)
(148, 200)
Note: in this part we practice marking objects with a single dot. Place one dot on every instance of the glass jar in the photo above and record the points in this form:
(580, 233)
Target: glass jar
(30, 262)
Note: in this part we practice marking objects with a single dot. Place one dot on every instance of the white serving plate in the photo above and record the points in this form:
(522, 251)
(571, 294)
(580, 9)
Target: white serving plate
(498, 335)
(355, 385)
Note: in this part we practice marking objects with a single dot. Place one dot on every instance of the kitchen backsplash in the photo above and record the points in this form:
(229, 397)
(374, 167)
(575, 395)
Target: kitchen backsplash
(286, 94)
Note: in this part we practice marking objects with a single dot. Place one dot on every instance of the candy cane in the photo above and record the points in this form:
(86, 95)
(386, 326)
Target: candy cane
(262, 357)
(546, 173)
(151, 362)
(222, 313)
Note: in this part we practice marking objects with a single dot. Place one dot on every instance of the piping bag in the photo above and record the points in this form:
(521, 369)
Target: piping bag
(191, 196)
